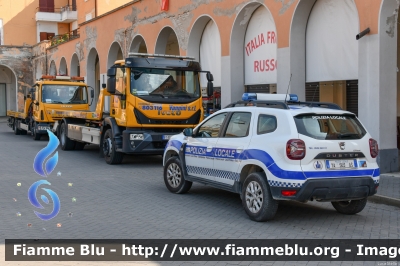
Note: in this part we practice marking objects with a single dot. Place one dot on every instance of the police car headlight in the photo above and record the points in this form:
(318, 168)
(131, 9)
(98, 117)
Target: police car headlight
(136, 137)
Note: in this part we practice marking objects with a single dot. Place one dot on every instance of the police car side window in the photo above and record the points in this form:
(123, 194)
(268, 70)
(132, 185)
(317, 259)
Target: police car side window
(266, 124)
(238, 125)
(211, 128)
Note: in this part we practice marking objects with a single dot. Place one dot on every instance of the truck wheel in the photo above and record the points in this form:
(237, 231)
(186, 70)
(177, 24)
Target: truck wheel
(257, 200)
(110, 154)
(173, 177)
(17, 131)
(66, 143)
(349, 206)
(79, 145)
(35, 135)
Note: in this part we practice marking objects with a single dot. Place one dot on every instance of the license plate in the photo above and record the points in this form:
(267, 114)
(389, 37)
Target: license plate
(43, 128)
(166, 137)
(341, 164)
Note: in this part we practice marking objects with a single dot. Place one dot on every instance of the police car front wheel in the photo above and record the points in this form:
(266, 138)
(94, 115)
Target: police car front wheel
(257, 199)
(173, 177)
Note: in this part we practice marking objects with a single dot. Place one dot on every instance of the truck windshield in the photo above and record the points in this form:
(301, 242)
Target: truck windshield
(326, 126)
(64, 94)
(163, 83)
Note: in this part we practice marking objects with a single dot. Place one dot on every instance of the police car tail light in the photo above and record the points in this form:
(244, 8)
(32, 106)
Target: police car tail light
(373, 148)
(288, 193)
(295, 149)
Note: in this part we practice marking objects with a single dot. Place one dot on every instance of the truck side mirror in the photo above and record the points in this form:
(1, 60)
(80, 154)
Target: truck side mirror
(210, 76)
(32, 92)
(210, 88)
(111, 81)
(188, 132)
(111, 84)
(92, 93)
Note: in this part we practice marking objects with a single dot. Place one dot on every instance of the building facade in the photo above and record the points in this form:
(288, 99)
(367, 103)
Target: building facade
(306, 47)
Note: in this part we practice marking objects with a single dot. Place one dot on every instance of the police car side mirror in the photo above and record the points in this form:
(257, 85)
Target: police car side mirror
(188, 132)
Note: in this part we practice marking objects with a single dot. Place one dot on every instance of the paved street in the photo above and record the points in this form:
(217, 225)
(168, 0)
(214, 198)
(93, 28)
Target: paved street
(131, 201)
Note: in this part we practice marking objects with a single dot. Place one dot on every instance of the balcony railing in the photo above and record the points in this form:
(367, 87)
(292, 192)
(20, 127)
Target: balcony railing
(65, 14)
(55, 10)
(58, 39)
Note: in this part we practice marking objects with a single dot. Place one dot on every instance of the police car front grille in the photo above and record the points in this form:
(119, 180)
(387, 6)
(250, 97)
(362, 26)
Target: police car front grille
(340, 155)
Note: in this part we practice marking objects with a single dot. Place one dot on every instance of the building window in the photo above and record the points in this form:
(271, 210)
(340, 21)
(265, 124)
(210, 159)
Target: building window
(88, 16)
(46, 36)
(1, 32)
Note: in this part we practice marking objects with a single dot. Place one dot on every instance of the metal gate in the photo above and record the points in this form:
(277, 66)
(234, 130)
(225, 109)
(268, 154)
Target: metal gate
(312, 92)
(259, 88)
(352, 96)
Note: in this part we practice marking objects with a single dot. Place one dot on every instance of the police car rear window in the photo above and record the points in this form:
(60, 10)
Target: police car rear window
(329, 126)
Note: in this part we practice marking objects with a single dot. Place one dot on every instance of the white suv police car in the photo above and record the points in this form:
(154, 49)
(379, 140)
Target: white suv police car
(270, 150)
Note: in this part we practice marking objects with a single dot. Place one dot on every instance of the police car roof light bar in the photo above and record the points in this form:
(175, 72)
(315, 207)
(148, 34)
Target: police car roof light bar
(265, 104)
(270, 97)
(161, 55)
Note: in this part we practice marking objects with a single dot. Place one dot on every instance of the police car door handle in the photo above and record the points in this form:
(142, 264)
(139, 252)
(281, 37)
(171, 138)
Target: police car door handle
(209, 148)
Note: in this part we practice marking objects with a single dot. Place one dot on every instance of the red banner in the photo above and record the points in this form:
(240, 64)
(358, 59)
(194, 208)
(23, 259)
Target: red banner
(165, 5)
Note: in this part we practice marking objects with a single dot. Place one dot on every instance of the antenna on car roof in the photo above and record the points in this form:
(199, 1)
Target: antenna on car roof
(288, 87)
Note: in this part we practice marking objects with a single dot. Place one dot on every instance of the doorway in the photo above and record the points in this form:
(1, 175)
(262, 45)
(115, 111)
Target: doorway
(3, 100)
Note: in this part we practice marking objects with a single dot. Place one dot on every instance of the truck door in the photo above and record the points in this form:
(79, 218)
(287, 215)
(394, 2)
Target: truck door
(199, 149)
(231, 144)
(35, 106)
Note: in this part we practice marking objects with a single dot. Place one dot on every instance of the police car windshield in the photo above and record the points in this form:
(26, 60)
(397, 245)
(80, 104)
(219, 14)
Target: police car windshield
(64, 94)
(329, 126)
(163, 83)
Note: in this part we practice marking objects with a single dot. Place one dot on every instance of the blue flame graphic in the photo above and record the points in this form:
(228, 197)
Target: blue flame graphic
(44, 153)
(32, 198)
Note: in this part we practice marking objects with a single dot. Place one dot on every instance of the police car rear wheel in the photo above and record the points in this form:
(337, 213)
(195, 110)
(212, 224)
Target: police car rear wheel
(257, 199)
(349, 206)
(173, 177)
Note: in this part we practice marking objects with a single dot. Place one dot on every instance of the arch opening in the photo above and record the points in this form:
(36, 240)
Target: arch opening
(8, 90)
(250, 48)
(53, 68)
(93, 75)
(205, 45)
(63, 69)
(167, 42)
(115, 53)
(138, 45)
(75, 68)
(332, 54)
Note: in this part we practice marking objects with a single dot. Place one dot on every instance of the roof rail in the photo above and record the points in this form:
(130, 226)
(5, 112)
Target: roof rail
(265, 104)
(318, 104)
(162, 55)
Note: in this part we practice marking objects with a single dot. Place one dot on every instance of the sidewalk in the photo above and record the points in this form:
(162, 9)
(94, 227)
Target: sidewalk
(389, 190)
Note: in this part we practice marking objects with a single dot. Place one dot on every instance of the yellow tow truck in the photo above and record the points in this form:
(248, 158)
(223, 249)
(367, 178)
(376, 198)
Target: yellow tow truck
(151, 98)
(50, 93)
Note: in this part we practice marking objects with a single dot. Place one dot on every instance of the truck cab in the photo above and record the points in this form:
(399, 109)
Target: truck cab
(47, 97)
(152, 97)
